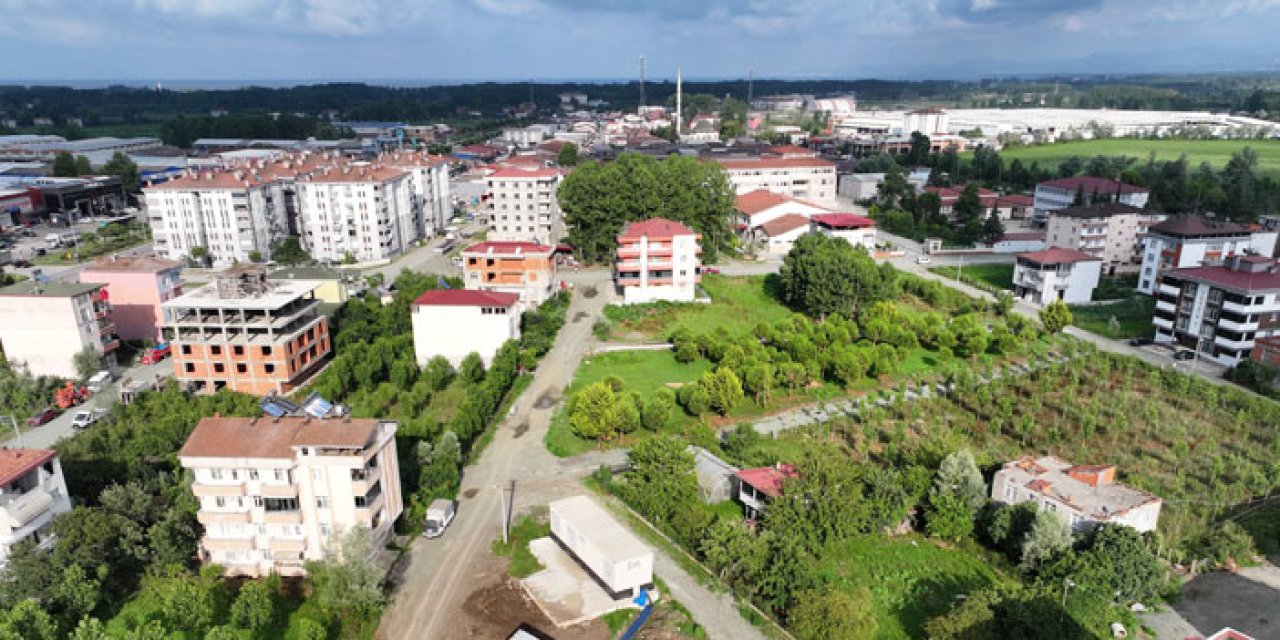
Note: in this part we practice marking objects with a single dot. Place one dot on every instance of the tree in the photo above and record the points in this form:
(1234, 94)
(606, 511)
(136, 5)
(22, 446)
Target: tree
(1055, 316)
(87, 362)
(471, 370)
(1114, 559)
(64, 165)
(1004, 303)
(657, 410)
(662, 478)
(894, 190)
(289, 251)
(190, 603)
(594, 413)
(255, 256)
(28, 621)
(254, 607)
(121, 166)
(350, 581)
(968, 206)
(918, 154)
(1049, 536)
(89, 629)
(724, 388)
(568, 155)
(949, 517)
(833, 613)
(959, 475)
(629, 404)
(308, 629)
(83, 167)
(824, 275)
(992, 229)
(438, 373)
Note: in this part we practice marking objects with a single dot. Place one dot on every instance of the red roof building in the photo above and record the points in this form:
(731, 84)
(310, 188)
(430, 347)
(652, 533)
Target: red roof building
(658, 259)
(756, 487)
(465, 298)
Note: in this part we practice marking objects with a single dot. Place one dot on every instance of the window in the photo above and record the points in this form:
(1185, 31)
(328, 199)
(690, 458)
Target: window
(188, 367)
(215, 350)
(262, 529)
(186, 349)
(269, 368)
(237, 350)
(220, 502)
(257, 502)
(218, 367)
(326, 531)
(215, 474)
(266, 351)
(242, 367)
(278, 475)
(322, 502)
(253, 474)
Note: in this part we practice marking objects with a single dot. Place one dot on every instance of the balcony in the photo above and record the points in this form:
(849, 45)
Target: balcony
(1232, 344)
(24, 509)
(284, 517)
(203, 490)
(223, 517)
(1163, 305)
(1236, 307)
(364, 479)
(1237, 326)
(1169, 289)
(1163, 323)
(279, 491)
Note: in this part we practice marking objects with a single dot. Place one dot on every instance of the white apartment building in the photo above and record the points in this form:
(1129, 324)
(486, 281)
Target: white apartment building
(658, 259)
(523, 205)
(1111, 231)
(807, 178)
(1056, 274)
(363, 212)
(1190, 241)
(429, 176)
(32, 492)
(230, 214)
(1084, 495)
(457, 322)
(43, 325)
(275, 493)
(1052, 195)
(1219, 311)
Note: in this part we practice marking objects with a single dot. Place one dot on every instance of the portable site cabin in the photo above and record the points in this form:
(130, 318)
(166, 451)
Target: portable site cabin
(614, 555)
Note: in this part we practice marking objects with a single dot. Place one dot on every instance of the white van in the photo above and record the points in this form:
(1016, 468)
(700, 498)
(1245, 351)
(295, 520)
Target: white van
(439, 515)
(99, 380)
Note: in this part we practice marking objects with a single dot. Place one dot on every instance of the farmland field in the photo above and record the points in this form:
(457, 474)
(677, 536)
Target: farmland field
(1215, 152)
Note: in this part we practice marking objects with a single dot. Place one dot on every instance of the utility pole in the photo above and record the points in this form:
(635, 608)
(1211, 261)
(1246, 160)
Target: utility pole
(16, 431)
(507, 504)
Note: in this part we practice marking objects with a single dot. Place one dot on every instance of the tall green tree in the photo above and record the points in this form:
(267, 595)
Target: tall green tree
(594, 412)
(1055, 316)
(64, 165)
(833, 613)
(1049, 536)
(83, 167)
(123, 167)
(568, 155)
(824, 275)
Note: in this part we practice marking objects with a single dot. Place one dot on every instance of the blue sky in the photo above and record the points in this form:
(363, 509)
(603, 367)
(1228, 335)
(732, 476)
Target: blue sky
(463, 40)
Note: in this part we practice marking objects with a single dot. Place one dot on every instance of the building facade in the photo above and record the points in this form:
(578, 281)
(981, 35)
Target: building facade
(1111, 231)
(275, 493)
(246, 333)
(523, 268)
(1056, 274)
(1219, 311)
(1084, 495)
(429, 178)
(1181, 242)
(32, 492)
(136, 288)
(1052, 195)
(43, 325)
(756, 487)
(658, 259)
(364, 213)
(523, 206)
(806, 178)
(230, 216)
(457, 322)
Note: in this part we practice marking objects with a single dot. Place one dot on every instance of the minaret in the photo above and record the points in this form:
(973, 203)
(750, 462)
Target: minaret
(679, 104)
(641, 110)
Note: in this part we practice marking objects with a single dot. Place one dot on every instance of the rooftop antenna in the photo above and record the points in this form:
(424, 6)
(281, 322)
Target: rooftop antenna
(642, 80)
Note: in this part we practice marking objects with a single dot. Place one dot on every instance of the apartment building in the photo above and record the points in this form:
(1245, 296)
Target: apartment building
(43, 325)
(806, 178)
(1084, 495)
(137, 288)
(361, 212)
(1052, 195)
(32, 492)
(526, 269)
(658, 259)
(246, 333)
(429, 178)
(1056, 274)
(1111, 231)
(455, 323)
(1190, 241)
(523, 206)
(1219, 311)
(230, 215)
(277, 492)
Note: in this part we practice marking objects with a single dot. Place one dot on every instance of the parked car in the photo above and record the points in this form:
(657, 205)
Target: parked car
(923, 259)
(157, 353)
(1184, 354)
(42, 417)
(84, 419)
(439, 515)
(1141, 341)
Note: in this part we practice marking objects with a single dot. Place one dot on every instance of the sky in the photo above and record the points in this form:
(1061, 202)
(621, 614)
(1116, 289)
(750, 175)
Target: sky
(478, 40)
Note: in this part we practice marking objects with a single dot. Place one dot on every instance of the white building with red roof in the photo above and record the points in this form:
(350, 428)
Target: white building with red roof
(32, 492)
(523, 205)
(1219, 311)
(658, 259)
(755, 208)
(457, 322)
(804, 177)
(527, 269)
(756, 487)
(1056, 274)
(1052, 195)
(859, 231)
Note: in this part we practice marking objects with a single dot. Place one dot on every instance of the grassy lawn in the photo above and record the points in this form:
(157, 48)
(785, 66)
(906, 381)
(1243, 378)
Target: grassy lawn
(1215, 152)
(523, 563)
(96, 244)
(911, 578)
(988, 277)
(738, 304)
(1132, 317)
(1264, 526)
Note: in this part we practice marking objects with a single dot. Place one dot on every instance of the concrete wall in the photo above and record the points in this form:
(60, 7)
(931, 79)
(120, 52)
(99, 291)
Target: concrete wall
(46, 332)
(456, 331)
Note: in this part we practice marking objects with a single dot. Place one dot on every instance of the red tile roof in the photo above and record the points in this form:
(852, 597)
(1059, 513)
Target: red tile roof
(843, 221)
(1224, 277)
(1091, 184)
(15, 463)
(465, 298)
(508, 173)
(500, 247)
(784, 223)
(775, 163)
(655, 228)
(754, 202)
(267, 437)
(1016, 200)
(1057, 255)
(768, 480)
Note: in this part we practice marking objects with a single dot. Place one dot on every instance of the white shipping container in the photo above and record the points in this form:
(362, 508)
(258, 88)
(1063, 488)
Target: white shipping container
(613, 554)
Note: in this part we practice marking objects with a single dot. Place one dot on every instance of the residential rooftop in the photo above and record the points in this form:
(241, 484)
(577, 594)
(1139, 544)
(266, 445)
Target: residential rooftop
(275, 438)
(1090, 489)
(279, 294)
(1099, 210)
(1057, 255)
(137, 264)
(768, 480)
(843, 221)
(15, 463)
(466, 298)
(32, 288)
(784, 223)
(1091, 185)
(1198, 227)
(510, 247)
(655, 228)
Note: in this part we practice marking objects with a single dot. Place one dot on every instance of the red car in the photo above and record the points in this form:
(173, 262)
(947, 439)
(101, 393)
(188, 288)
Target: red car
(42, 417)
(157, 353)
(710, 270)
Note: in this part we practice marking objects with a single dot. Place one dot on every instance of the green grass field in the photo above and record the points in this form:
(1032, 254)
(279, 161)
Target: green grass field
(1133, 317)
(1215, 152)
(738, 305)
(988, 277)
(911, 578)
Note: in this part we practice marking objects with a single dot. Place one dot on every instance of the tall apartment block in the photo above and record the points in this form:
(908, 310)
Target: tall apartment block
(43, 325)
(365, 213)
(136, 288)
(1111, 231)
(246, 333)
(1219, 311)
(658, 259)
(523, 205)
(523, 268)
(32, 492)
(275, 493)
(230, 215)
(429, 176)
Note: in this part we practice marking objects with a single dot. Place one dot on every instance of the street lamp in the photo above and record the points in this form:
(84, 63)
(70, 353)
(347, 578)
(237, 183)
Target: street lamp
(1067, 585)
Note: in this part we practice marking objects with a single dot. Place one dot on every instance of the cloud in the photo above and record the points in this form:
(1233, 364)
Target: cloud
(1012, 10)
(509, 7)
